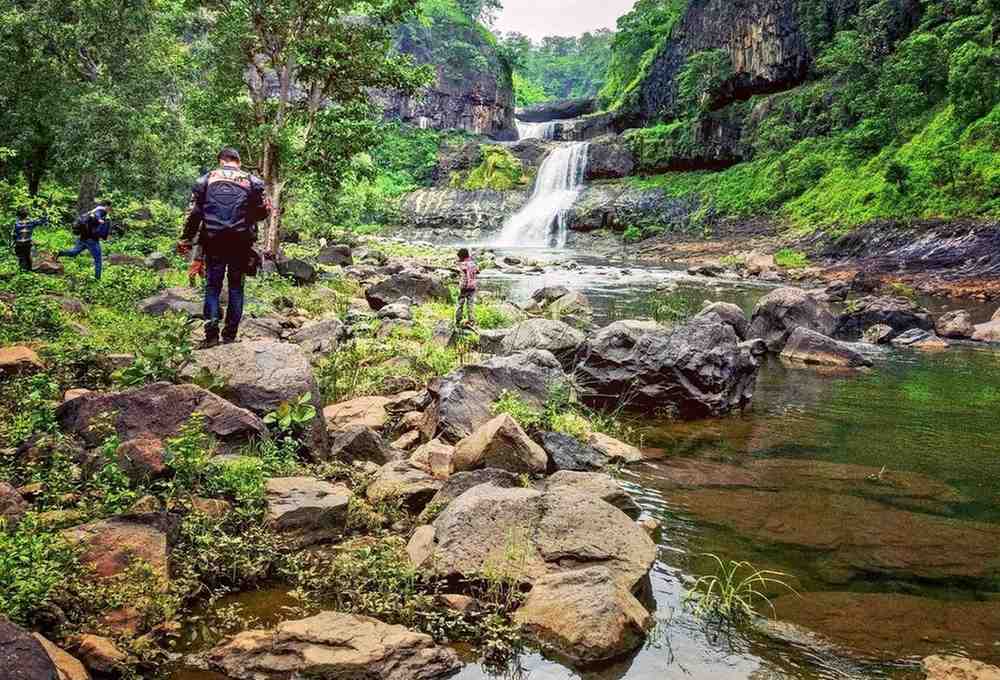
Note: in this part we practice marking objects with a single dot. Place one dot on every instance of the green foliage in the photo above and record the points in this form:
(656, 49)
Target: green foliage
(558, 67)
(293, 417)
(500, 170)
(188, 456)
(974, 80)
(787, 258)
(699, 80)
(513, 405)
(33, 563)
(527, 92)
(734, 592)
(164, 359)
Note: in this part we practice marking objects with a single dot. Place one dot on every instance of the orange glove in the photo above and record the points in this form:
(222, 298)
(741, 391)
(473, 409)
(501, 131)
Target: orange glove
(197, 268)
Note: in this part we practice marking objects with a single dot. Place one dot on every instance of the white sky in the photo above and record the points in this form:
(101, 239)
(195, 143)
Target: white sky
(539, 18)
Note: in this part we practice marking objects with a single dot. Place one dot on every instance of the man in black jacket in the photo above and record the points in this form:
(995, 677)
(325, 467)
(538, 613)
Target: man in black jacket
(21, 237)
(226, 205)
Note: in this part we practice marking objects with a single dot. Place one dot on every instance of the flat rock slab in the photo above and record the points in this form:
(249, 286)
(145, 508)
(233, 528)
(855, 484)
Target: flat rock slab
(306, 510)
(261, 374)
(367, 412)
(595, 484)
(110, 546)
(159, 411)
(551, 532)
(333, 646)
(18, 359)
(812, 348)
(958, 668)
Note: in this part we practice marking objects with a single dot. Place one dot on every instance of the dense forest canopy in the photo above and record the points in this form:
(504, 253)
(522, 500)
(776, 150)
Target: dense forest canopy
(558, 67)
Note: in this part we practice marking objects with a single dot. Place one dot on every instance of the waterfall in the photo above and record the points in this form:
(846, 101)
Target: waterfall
(542, 221)
(545, 130)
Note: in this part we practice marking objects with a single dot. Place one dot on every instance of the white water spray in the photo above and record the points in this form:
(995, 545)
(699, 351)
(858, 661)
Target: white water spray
(545, 130)
(542, 221)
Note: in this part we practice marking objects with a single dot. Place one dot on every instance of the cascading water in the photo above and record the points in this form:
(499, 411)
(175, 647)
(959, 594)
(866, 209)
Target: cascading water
(542, 221)
(545, 130)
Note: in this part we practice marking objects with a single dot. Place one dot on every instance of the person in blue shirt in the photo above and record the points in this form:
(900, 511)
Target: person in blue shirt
(22, 234)
(90, 229)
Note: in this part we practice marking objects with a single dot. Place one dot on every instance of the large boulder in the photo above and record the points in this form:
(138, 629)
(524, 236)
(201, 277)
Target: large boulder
(569, 453)
(781, 311)
(12, 506)
(554, 336)
(22, 657)
(460, 482)
(172, 301)
(417, 286)
(159, 411)
(809, 347)
(360, 444)
(401, 481)
(597, 484)
(337, 255)
(18, 360)
(111, 546)
(462, 400)
(955, 324)
(319, 337)
(551, 531)
(609, 157)
(500, 443)
(900, 314)
(262, 374)
(952, 667)
(306, 510)
(584, 615)
(695, 370)
(987, 332)
(333, 646)
(726, 312)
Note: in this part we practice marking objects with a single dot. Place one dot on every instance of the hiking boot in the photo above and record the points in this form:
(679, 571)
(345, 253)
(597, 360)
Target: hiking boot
(228, 341)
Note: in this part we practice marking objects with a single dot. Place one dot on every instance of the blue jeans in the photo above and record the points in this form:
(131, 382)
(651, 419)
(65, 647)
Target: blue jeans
(216, 267)
(93, 246)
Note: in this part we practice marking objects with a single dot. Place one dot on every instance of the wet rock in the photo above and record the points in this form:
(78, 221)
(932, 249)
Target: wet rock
(158, 262)
(14, 360)
(361, 412)
(338, 255)
(728, 313)
(110, 546)
(142, 460)
(557, 337)
(400, 480)
(333, 645)
(360, 444)
(460, 482)
(436, 458)
(548, 294)
(879, 334)
(23, 657)
(987, 332)
(12, 506)
(463, 398)
(306, 510)
(899, 314)
(67, 666)
(650, 525)
(500, 443)
(160, 410)
(557, 530)
(299, 271)
(919, 339)
(955, 324)
(693, 371)
(781, 311)
(810, 347)
(261, 374)
(419, 287)
(99, 654)
(319, 337)
(958, 668)
(597, 484)
(172, 301)
(858, 536)
(609, 157)
(616, 451)
(889, 626)
(583, 615)
(569, 453)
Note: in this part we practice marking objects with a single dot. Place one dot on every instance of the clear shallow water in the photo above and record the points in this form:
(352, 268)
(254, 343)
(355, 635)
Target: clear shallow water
(891, 568)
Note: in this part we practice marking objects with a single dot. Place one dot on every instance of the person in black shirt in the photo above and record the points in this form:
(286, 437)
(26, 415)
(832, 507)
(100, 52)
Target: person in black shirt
(226, 205)
(22, 236)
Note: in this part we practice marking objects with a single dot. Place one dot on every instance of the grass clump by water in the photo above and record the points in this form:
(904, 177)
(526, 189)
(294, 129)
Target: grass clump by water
(734, 592)
(786, 258)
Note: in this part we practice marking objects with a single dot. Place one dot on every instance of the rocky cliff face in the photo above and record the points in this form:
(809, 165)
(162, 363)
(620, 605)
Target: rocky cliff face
(472, 88)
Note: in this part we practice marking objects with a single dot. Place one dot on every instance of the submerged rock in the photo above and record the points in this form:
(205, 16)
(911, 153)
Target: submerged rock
(160, 410)
(331, 646)
(781, 311)
(899, 314)
(462, 400)
(695, 370)
(810, 347)
(583, 615)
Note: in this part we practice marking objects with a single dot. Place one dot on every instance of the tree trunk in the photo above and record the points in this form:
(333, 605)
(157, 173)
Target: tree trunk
(90, 183)
(271, 174)
(34, 169)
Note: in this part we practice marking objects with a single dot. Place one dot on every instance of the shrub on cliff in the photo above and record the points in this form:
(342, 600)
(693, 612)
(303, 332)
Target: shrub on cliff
(499, 170)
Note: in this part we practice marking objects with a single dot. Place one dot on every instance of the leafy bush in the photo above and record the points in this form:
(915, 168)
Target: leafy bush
(499, 170)
(787, 258)
(514, 406)
(33, 564)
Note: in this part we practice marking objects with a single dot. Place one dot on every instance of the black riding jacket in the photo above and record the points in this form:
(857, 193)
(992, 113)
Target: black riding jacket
(226, 202)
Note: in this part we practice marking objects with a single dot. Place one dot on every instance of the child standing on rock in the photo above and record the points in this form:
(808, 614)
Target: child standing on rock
(467, 285)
